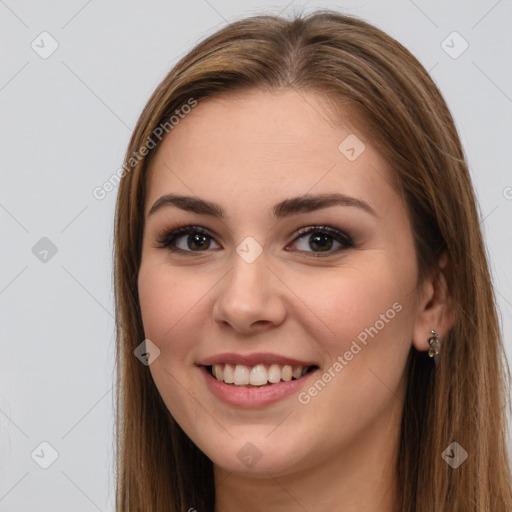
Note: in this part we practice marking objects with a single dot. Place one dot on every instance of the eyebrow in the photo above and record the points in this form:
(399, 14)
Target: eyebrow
(288, 207)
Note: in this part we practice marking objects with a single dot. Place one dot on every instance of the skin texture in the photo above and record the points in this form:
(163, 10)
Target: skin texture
(247, 153)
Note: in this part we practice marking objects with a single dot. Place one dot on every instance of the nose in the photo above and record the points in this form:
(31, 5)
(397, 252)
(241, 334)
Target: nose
(250, 298)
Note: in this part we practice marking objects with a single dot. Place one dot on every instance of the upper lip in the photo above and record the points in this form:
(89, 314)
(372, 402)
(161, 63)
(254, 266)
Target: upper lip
(253, 359)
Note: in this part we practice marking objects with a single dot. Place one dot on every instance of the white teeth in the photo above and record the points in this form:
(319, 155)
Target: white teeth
(274, 373)
(241, 375)
(286, 373)
(229, 373)
(217, 372)
(258, 375)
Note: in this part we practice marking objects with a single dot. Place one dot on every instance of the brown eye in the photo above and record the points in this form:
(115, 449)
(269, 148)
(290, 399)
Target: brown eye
(187, 239)
(198, 242)
(320, 242)
(322, 239)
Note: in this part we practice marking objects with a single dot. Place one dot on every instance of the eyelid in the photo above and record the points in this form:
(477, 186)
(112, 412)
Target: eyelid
(167, 236)
(342, 237)
(329, 230)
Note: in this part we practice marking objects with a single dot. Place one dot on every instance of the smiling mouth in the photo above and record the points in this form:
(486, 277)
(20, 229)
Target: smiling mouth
(259, 375)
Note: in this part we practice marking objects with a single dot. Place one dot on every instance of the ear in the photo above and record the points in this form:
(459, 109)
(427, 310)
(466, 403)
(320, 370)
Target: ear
(435, 307)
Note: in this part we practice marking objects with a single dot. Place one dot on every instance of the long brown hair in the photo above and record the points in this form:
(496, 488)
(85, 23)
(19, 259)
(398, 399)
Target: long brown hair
(462, 399)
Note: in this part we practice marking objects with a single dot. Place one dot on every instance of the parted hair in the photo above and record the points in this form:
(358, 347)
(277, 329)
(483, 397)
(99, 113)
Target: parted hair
(362, 70)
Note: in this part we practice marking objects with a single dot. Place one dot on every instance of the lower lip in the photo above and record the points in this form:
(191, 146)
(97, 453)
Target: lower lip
(257, 396)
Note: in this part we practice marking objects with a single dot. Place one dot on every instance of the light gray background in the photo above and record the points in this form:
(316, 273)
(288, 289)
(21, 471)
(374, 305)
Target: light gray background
(65, 124)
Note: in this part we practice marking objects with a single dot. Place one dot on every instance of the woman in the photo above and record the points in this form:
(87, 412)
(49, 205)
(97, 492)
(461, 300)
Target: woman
(300, 272)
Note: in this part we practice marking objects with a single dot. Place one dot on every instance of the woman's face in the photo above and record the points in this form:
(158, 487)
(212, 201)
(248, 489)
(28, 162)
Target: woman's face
(301, 258)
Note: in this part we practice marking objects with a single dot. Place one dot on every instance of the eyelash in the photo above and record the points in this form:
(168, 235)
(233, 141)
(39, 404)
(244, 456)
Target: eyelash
(168, 238)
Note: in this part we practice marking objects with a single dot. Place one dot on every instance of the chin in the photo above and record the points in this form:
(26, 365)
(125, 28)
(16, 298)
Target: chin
(259, 459)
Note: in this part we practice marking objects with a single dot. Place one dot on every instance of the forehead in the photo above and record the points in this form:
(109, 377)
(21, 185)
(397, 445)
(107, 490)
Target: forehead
(261, 145)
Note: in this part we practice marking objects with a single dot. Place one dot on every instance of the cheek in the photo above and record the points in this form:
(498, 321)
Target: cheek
(346, 301)
(169, 302)
(156, 303)
(367, 314)
(366, 330)
(172, 308)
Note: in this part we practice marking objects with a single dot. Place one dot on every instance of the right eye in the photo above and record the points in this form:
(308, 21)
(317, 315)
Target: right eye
(187, 239)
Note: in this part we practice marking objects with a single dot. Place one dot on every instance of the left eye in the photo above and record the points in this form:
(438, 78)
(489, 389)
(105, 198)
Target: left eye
(322, 239)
